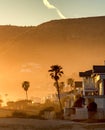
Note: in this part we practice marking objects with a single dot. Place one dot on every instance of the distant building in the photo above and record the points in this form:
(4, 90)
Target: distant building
(78, 86)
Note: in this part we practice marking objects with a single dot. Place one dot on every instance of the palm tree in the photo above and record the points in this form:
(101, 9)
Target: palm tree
(55, 73)
(70, 82)
(25, 86)
(61, 86)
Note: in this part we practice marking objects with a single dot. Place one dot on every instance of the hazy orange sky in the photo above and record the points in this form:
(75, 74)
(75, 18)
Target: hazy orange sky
(21, 62)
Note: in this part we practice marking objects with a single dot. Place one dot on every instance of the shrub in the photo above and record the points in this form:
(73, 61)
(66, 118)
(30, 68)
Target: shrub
(19, 114)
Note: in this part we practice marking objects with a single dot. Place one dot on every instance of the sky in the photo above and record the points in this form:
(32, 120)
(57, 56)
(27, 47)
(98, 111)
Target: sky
(35, 12)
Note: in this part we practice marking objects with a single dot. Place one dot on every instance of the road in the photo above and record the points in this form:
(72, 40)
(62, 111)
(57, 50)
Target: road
(34, 124)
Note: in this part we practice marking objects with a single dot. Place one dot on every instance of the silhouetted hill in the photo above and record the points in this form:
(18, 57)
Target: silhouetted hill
(57, 30)
(73, 35)
(70, 29)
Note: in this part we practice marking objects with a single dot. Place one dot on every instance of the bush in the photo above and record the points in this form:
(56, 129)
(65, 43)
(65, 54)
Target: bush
(19, 114)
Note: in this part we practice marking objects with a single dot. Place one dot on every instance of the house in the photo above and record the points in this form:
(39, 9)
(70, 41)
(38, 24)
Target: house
(94, 81)
(88, 84)
(69, 111)
(94, 87)
(99, 79)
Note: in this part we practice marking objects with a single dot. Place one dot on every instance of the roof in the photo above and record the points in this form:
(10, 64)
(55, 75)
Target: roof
(86, 73)
(99, 69)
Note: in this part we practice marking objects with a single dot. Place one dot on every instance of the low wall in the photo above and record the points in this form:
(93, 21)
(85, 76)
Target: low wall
(49, 115)
(75, 113)
(9, 113)
(82, 113)
(5, 113)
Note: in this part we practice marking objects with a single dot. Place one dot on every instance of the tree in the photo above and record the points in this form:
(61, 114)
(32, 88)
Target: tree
(55, 73)
(1, 101)
(25, 86)
(70, 82)
(61, 86)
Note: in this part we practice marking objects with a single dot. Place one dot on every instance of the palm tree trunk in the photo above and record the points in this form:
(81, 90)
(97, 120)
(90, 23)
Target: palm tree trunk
(26, 95)
(59, 96)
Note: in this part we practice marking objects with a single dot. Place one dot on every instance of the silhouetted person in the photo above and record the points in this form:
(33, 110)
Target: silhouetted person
(92, 106)
(78, 102)
(92, 110)
(83, 101)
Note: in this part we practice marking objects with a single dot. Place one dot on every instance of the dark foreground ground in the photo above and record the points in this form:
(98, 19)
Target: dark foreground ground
(34, 124)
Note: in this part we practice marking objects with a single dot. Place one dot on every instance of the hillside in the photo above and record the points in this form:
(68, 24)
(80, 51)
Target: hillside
(57, 30)
(83, 31)
(71, 34)
(26, 53)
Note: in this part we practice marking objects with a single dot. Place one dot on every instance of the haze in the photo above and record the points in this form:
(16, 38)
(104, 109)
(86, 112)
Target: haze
(28, 51)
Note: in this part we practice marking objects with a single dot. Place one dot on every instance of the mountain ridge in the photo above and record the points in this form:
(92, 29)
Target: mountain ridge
(60, 30)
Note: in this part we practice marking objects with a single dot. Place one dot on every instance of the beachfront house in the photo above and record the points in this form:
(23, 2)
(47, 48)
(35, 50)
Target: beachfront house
(94, 87)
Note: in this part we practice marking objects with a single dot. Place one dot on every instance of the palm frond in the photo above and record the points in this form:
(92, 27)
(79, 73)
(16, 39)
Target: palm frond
(25, 85)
